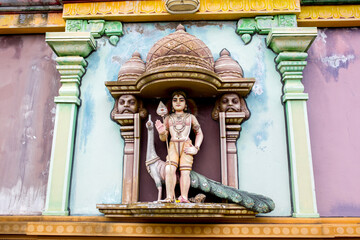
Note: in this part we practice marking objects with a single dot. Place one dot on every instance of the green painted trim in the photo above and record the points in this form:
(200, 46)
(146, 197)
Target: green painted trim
(305, 215)
(71, 47)
(295, 96)
(291, 39)
(291, 44)
(291, 56)
(246, 27)
(71, 43)
(55, 213)
(57, 196)
(97, 28)
(301, 171)
(67, 99)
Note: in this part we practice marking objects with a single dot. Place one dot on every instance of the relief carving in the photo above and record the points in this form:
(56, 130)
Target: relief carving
(182, 61)
(128, 104)
(230, 102)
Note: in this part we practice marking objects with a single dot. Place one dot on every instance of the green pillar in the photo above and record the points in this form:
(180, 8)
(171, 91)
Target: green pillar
(291, 44)
(71, 49)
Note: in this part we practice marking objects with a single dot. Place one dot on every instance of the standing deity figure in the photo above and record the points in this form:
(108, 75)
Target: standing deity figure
(180, 150)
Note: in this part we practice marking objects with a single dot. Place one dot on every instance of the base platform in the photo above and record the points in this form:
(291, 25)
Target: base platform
(190, 211)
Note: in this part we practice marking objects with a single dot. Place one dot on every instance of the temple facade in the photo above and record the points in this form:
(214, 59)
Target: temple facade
(269, 88)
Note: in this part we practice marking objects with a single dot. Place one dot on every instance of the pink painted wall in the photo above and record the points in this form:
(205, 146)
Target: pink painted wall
(333, 83)
(28, 83)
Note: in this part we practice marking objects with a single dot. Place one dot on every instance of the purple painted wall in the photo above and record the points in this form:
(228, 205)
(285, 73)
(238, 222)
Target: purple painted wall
(29, 82)
(332, 81)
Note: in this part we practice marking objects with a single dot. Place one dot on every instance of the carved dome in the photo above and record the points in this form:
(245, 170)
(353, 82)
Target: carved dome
(180, 49)
(133, 68)
(227, 68)
(180, 61)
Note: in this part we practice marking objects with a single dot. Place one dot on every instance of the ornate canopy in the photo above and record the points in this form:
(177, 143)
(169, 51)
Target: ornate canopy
(180, 60)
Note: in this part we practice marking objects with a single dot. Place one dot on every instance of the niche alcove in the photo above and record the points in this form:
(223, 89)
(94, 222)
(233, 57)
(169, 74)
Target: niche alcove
(179, 61)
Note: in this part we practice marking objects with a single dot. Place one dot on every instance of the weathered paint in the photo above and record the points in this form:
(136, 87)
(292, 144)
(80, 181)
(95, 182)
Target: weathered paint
(334, 111)
(61, 160)
(97, 167)
(98, 149)
(302, 182)
(31, 23)
(262, 148)
(6, 3)
(29, 82)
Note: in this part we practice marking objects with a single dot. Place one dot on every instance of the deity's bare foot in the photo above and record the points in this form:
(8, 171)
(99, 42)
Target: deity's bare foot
(167, 200)
(183, 200)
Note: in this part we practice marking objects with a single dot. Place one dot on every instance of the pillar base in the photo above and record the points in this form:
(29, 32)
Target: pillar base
(55, 213)
(305, 215)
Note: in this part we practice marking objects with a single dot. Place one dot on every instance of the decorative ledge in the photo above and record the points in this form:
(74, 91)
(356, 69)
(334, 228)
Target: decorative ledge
(329, 16)
(73, 227)
(206, 83)
(190, 212)
(137, 11)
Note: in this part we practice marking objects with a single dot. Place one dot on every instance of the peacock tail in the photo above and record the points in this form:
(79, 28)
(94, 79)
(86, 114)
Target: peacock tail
(255, 202)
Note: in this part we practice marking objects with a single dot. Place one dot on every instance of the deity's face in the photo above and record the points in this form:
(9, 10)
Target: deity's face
(127, 104)
(230, 102)
(179, 103)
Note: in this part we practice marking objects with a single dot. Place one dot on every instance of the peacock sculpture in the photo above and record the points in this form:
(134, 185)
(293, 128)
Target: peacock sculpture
(156, 168)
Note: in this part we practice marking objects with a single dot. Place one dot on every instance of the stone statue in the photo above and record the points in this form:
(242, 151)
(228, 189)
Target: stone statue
(128, 104)
(157, 168)
(230, 102)
(180, 150)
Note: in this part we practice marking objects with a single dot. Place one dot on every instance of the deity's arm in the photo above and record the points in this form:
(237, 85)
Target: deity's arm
(199, 136)
(162, 128)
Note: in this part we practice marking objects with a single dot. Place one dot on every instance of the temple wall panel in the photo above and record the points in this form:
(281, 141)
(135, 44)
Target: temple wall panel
(97, 171)
(98, 151)
(262, 146)
(331, 79)
(29, 82)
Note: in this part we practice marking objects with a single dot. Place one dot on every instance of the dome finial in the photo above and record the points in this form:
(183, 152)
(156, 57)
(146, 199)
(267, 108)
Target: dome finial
(136, 54)
(224, 52)
(180, 27)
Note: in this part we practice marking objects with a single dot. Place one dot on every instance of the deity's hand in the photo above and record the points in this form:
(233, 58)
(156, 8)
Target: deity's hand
(191, 150)
(160, 127)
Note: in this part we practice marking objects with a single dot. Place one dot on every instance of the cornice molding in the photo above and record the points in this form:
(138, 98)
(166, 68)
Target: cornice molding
(329, 16)
(152, 10)
(307, 16)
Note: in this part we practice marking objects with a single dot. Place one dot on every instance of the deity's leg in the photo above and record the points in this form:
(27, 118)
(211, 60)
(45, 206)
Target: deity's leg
(170, 181)
(185, 183)
(159, 193)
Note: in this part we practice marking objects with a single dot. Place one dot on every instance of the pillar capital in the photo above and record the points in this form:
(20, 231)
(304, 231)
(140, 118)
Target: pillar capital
(71, 43)
(294, 39)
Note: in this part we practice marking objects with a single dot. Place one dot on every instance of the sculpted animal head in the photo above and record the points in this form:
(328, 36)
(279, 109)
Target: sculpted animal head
(149, 124)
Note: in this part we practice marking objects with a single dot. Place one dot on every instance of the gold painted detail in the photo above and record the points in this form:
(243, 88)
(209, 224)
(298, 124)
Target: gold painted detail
(182, 6)
(283, 228)
(155, 10)
(329, 16)
(125, 120)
